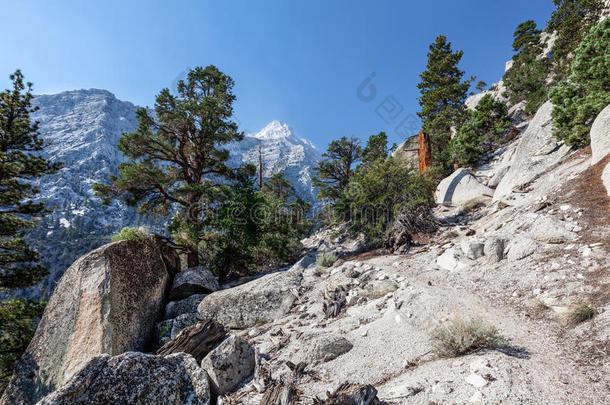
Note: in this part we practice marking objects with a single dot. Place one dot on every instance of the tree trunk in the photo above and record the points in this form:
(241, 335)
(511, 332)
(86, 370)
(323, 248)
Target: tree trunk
(192, 258)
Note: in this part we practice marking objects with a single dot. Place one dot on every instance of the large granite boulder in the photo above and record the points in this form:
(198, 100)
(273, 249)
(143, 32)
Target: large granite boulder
(264, 299)
(459, 188)
(135, 378)
(229, 364)
(537, 151)
(185, 306)
(600, 136)
(108, 301)
(196, 280)
(548, 229)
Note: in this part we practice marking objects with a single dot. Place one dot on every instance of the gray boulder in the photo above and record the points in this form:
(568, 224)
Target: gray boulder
(521, 247)
(170, 328)
(600, 136)
(185, 306)
(135, 378)
(326, 348)
(472, 248)
(494, 250)
(261, 300)
(196, 280)
(498, 176)
(459, 188)
(551, 230)
(537, 151)
(229, 364)
(453, 259)
(108, 301)
(377, 288)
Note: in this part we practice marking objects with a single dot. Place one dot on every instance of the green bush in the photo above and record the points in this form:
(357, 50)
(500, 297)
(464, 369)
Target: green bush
(585, 92)
(481, 132)
(326, 260)
(127, 233)
(462, 337)
(378, 193)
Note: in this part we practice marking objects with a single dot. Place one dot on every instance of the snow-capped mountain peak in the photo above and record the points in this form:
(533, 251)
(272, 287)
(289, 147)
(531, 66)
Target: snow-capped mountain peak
(275, 129)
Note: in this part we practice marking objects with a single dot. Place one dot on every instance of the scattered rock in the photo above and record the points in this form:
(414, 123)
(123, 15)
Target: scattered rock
(185, 306)
(472, 248)
(476, 380)
(551, 230)
(521, 247)
(377, 289)
(460, 188)
(135, 378)
(494, 250)
(229, 364)
(196, 280)
(600, 136)
(452, 260)
(326, 348)
(263, 299)
(108, 301)
(498, 176)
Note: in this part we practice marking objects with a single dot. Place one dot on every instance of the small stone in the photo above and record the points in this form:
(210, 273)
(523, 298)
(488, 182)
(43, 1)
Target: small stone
(364, 333)
(564, 207)
(476, 398)
(476, 380)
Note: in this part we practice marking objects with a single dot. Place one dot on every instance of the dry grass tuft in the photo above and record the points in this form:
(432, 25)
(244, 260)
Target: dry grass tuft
(462, 337)
(326, 260)
(579, 312)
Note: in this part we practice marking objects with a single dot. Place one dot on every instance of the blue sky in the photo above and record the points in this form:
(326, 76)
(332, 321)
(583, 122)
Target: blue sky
(299, 62)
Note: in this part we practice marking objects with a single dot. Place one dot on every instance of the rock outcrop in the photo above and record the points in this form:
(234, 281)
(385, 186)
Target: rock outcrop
(459, 188)
(196, 280)
(107, 302)
(537, 152)
(600, 136)
(260, 300)
(135, 378)
(229, 364)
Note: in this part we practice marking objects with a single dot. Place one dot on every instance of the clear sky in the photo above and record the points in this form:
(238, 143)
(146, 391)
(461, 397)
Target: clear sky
(300, 62)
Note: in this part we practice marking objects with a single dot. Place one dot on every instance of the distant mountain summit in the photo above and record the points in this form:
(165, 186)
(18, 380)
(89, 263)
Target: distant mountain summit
(282, 152)
(83, 128)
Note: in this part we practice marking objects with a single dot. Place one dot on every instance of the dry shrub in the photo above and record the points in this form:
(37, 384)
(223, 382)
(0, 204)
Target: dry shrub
(579, 312)
(462, 337)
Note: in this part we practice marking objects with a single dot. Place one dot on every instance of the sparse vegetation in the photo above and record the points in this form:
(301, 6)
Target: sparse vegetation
(472, 205)
(462, 337)
(326, 260)
(127, 233)
(579, 312)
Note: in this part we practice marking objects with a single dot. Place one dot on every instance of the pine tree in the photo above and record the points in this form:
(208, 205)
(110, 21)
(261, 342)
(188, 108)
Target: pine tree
(480, 87)
(376, 149)
(581, 96)
(526, 79)
(334, 171)
(176, 159)
(571, 20)
(443, 93)
(481, 132)
(20, 165)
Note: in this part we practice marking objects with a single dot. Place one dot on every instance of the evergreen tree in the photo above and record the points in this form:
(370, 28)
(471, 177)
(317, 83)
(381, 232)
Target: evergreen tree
(526, 79)
(20, 165)
(376, 149)
(278, 187)
(571, 20)
(334, 171)
(176, 159)
(481, 132)
(480, 87)
(443, 93)
(580, 97)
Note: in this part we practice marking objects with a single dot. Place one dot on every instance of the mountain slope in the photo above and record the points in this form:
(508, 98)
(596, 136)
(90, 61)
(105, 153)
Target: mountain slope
(84, 127)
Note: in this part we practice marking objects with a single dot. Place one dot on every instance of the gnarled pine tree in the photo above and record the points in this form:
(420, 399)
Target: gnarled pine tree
(176, 160)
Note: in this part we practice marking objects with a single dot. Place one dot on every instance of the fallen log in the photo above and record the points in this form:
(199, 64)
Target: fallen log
(197, 340)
